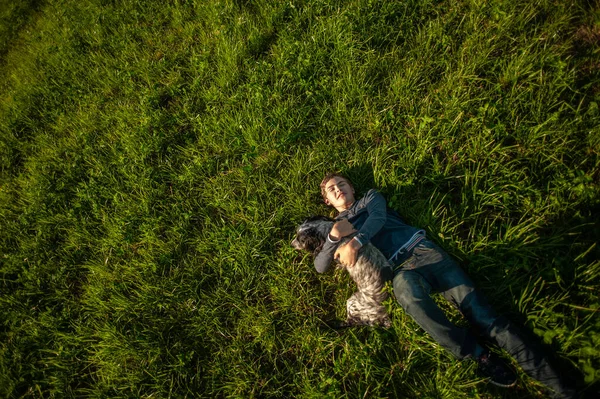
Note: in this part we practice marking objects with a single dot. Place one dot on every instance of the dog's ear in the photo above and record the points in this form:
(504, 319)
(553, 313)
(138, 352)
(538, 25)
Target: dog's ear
(312, 243)
(318, 218)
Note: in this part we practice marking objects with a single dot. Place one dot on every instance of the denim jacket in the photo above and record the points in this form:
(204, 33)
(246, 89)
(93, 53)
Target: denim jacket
(376, 223)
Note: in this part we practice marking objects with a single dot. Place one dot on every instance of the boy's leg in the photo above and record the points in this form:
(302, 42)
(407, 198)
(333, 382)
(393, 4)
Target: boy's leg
(458, 288)
(412, 292)
(530, 355)
(412, 286)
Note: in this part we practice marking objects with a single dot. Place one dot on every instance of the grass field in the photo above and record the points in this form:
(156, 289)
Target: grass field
(155, 158)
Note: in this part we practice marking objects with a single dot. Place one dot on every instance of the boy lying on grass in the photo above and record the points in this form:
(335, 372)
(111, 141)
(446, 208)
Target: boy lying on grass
(421, 267)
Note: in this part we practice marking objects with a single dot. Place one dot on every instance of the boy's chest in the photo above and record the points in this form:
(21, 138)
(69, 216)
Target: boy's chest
(356, 216)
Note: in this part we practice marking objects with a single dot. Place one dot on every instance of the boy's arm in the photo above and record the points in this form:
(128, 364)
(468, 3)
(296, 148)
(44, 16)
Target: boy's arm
(340, 229)
(377, 210)
(376, 207)
(325, 257)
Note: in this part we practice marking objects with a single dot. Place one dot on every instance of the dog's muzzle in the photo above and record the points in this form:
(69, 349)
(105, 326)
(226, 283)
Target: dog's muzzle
(296, 244)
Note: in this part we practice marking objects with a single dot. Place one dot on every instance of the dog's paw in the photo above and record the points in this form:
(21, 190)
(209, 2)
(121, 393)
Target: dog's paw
(387, 323)
(338, 324)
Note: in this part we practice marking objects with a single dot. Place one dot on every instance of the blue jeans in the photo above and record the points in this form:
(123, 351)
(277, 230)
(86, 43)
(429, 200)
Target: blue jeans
(429, 269)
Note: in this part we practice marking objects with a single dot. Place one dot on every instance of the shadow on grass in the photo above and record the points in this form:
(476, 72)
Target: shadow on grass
(22, 12)
(553, 262)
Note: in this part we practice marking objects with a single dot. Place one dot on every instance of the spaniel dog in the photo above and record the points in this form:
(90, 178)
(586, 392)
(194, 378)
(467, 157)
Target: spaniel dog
(369, 273)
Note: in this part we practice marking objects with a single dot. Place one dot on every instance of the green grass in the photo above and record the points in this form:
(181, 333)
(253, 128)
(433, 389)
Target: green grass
(156, 157)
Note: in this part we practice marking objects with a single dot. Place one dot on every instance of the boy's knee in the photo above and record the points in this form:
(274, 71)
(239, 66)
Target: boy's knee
(407, 289)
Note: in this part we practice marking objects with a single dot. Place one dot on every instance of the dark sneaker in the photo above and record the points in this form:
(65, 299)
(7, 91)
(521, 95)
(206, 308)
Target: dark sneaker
(496, 370)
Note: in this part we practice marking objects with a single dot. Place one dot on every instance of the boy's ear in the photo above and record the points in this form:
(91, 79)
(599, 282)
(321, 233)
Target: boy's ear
(327, 201)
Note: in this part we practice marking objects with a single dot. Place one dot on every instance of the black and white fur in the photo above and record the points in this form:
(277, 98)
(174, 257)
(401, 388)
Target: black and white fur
(364, 306)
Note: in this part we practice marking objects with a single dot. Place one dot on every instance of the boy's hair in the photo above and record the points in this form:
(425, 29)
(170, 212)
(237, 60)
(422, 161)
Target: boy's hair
(330, 176)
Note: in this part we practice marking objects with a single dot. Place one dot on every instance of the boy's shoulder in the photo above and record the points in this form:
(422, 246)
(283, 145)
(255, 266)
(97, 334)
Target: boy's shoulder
(372, 193)
(370, 196)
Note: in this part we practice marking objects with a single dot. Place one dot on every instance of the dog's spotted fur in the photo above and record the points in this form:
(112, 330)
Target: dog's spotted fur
(364, 306)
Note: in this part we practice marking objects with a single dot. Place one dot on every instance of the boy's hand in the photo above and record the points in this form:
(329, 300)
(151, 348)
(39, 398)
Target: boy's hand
(348, 253)
(341, 229)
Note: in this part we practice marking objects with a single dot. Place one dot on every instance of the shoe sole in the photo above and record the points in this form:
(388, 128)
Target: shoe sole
(499, 384)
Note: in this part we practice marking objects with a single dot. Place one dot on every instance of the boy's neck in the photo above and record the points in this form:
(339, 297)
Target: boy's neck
(345, 208)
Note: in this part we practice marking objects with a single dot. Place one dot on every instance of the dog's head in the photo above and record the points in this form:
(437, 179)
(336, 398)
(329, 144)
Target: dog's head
(312, 233)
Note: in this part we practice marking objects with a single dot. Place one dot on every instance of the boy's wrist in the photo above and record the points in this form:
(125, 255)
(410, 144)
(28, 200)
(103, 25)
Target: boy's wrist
(356, 243)
(332, 238)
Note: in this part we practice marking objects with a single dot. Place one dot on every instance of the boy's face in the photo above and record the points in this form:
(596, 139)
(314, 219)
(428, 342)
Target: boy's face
(339, 193)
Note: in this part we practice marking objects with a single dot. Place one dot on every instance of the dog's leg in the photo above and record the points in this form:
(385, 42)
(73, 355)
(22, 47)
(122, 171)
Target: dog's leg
(361, 311)
(354, 315)
(364, 311)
